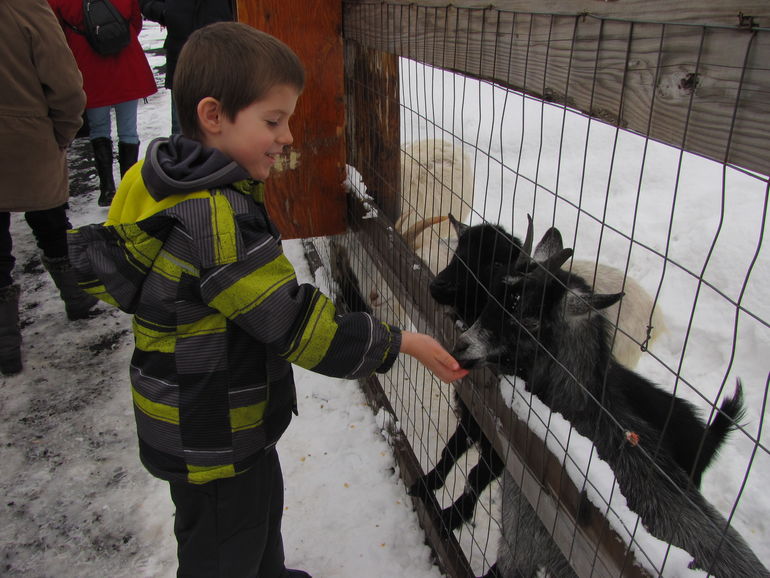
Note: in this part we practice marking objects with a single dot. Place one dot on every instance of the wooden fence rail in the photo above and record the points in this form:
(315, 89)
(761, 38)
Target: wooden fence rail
(703, 89)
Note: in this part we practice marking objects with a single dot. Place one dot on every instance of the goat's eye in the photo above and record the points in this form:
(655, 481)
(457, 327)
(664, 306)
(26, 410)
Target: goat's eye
(512, 302)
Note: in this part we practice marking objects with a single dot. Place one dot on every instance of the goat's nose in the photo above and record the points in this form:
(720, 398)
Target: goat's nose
(441, 291)
(460, 353)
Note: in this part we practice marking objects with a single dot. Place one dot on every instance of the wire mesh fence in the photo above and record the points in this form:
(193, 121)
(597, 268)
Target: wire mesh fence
(640, 152)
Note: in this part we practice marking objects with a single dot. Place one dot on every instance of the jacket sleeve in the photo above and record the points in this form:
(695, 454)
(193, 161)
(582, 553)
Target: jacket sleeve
(259, 292)
(58, 73)
(154, 10)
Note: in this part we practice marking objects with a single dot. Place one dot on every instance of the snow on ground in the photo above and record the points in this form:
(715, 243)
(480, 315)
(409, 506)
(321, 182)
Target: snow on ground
(78, 503)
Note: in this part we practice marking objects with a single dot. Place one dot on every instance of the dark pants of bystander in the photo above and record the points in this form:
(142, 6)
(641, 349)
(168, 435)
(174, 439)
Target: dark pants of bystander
(50, 230)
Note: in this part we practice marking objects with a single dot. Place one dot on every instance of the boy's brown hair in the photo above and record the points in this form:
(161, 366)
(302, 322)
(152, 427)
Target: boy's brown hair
(233, 63)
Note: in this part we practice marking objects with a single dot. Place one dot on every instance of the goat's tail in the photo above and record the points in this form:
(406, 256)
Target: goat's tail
(727, 417)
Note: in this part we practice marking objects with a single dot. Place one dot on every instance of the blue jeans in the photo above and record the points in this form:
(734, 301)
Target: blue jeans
(125, 117)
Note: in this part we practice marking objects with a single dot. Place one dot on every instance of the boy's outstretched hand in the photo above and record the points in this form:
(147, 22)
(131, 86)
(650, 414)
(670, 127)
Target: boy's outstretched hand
(432, 355)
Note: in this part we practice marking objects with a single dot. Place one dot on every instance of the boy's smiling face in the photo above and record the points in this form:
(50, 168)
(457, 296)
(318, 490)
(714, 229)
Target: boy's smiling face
(257, 135)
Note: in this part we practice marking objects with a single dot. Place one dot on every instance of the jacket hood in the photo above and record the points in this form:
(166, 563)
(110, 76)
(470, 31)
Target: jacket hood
(180, 183)
(179, 165)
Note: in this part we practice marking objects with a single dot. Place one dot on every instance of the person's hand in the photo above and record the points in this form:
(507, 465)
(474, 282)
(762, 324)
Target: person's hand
(432, 355)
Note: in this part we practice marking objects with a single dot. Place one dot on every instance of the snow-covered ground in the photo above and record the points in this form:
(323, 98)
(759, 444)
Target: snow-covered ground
(77, 502)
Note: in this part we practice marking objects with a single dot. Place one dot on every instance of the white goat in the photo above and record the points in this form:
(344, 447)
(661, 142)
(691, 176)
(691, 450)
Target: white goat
(436, 179)
(631, 316)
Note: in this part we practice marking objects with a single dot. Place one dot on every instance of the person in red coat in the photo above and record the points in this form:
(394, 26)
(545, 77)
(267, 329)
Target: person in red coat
(110, 82)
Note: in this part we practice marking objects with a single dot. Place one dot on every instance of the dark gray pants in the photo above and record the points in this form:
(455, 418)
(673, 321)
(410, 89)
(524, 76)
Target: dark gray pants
(231, 528)
(50, 229)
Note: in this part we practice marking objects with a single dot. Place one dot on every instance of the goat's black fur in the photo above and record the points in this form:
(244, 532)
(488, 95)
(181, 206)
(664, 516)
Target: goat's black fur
(541, 323)
(464, 285)
(526, 548)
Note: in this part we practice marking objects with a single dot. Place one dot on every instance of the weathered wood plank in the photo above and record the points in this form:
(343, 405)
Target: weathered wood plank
(707, 12)
(706, 90)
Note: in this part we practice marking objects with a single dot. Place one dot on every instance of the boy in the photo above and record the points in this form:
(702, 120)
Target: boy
(189, 249)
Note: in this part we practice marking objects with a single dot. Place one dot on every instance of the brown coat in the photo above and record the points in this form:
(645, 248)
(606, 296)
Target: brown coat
(41, 103)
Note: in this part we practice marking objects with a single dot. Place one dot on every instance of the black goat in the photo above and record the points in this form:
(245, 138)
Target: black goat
(464, 285)
(541, 324)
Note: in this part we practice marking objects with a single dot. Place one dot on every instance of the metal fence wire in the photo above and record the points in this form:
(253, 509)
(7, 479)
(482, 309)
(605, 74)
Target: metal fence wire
(644, 145)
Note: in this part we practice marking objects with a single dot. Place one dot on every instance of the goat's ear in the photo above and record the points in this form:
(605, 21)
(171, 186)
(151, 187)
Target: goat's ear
(555, 261)
(583, 303)
(549, 245)
(459, 227)
(604, 300)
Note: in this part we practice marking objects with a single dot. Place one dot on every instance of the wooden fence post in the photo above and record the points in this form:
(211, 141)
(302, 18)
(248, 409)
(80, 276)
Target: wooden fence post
(305, 194)
(373, 123)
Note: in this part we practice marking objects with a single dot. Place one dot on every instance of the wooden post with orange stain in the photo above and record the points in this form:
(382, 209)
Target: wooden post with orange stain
(373, 124)
(305, 195)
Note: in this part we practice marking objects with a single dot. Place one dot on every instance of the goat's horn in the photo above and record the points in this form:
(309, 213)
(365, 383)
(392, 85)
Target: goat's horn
(526, 248)
(459, 227)
(410, 235)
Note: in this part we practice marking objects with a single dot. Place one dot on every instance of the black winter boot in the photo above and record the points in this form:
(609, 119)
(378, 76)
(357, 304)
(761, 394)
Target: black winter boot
(10, 334)
(128, 154)
(77, 302)
(103, 160)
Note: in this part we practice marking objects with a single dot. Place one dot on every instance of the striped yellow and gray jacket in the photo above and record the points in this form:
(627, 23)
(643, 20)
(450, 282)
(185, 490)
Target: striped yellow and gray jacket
(218, 319)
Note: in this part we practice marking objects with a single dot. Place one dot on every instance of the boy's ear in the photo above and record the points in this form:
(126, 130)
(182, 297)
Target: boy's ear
(210, 115)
